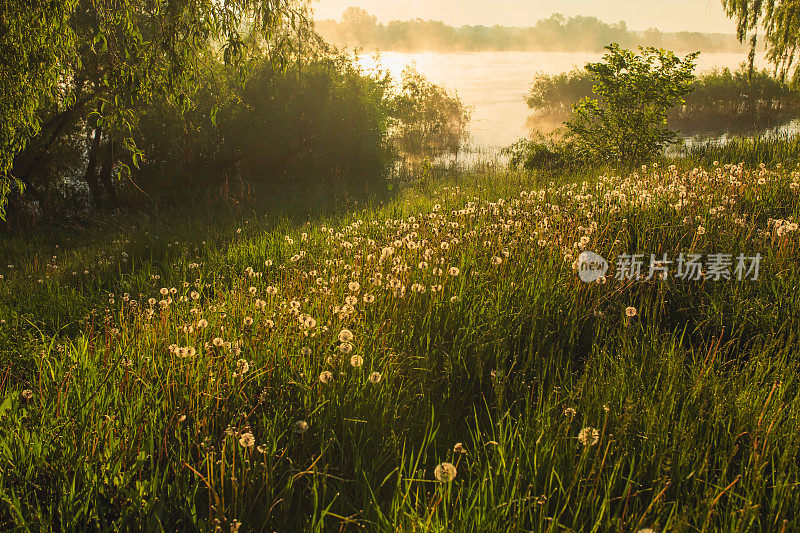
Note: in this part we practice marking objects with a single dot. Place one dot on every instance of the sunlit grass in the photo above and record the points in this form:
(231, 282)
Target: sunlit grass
(430, 364)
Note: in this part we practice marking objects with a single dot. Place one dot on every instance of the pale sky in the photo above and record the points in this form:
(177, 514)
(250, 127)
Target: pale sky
(666, 15)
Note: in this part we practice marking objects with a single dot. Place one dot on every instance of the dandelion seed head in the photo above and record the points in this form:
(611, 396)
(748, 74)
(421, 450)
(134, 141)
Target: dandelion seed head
(589, 436)
(445, 472)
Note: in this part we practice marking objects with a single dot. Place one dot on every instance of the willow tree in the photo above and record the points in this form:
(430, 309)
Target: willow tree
(34, 47)
(103, 60)
(777, 23)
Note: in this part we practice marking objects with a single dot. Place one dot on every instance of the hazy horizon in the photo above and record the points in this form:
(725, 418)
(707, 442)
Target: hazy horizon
(683, 15)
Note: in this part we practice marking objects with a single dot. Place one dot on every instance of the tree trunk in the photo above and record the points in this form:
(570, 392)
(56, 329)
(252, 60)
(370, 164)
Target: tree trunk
(91, 167)
(106, 179)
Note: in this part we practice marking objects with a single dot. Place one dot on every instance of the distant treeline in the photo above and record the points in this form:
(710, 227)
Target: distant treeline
(557, 33)
(721, 101)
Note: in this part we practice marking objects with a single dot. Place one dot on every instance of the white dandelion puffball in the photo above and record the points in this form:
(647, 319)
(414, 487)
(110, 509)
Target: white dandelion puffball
(630, 311)
(247, 440)
(375, 377)
(326, 376)
(345, 348)
(445, 472)
(589, 436)
(300, 427)
(345, 335)
(356, 361)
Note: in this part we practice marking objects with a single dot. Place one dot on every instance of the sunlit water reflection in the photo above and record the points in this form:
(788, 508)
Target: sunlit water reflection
(495, 84)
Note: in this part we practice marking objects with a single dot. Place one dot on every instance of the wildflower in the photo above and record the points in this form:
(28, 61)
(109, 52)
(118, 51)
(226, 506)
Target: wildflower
(459, 448)
(248, 321)
(326, 376)
(27, 394)
(300, 427)
(375, 377)
(368, 298)
(630, 311)
(247, 440)
(356, 361)
(701, 230)
(569, 412)
(242, 366)
(453, 271)
(202, 323)
(354, 286)
(345, 348)
(445, 472)
(345, 335)
(218, 342)
(589, 436)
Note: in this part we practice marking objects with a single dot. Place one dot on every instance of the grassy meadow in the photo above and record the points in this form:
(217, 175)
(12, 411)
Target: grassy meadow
(426, 362)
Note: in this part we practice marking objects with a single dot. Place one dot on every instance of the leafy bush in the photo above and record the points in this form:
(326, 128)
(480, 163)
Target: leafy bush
(428, 121)
(627, 122)
(543, 153)
(721, 101)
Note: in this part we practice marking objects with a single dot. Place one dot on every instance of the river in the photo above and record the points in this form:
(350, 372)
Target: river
(495, 84)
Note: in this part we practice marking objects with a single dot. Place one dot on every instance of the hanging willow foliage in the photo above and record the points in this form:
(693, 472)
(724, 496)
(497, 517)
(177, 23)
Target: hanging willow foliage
(110, 57)
(778, 22)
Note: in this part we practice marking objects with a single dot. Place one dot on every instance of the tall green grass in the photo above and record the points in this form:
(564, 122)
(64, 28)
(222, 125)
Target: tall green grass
(695, 399)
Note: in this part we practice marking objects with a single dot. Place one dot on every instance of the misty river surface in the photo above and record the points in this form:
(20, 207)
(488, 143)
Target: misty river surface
(495, 84)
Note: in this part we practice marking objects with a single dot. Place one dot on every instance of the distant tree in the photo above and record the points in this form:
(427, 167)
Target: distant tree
(360, 26)
(653, 37)
(779, 21)
(428, 120)
(627, 122)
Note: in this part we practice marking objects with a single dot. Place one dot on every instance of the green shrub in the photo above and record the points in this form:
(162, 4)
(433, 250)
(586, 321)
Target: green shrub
(626, 122)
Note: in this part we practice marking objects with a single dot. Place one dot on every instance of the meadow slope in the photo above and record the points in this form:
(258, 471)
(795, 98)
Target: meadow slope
(432, 364)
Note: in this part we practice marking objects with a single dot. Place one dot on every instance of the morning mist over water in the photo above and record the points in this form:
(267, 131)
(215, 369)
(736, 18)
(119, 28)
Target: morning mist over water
(495, 84)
